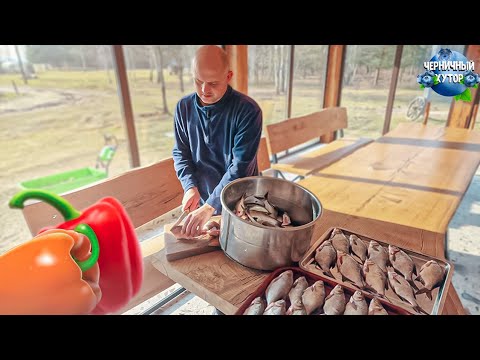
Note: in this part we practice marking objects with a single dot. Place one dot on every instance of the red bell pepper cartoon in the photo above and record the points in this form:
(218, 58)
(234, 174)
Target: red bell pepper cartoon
(54, 273)
(120, 259)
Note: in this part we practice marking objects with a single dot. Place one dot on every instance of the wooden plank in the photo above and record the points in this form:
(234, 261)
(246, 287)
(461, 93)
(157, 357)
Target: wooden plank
(461, 111)
(145, 193)
(296, 131)
(263, 157)
(306, 163)
(238, 57)
(126, 104)
(333, 82)
(415, 176)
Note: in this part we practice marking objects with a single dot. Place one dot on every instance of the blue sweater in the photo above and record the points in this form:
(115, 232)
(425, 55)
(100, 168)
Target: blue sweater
(215, 144)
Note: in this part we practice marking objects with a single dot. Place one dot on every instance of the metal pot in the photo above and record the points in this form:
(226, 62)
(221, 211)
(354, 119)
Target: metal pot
(261, 247)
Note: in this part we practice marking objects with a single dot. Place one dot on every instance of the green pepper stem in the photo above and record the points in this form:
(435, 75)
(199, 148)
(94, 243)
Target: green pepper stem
(88, 232)
(59, 203)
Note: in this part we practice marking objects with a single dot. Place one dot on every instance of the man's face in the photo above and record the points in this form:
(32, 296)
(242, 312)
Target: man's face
(211, 84)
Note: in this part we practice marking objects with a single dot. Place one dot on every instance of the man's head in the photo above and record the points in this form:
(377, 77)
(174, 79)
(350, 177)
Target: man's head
(211, 73)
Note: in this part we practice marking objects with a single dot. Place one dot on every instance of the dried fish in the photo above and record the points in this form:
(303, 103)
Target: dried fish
(276, 308)
(359, 249)
(404, 290)
(326, 256)
(297, 308)
(357, 305)
(257, 307)
(314, 296)
(240, 207)
(340, 241)
(263, 218)
(376, 308)
(279, 287)
(401, 262)
(335, 302)
(297, 289)
(378, 254)
(253, 200)
(286, 219)
(258, 208)
(350, 269)
(375, 278)
(431, 275)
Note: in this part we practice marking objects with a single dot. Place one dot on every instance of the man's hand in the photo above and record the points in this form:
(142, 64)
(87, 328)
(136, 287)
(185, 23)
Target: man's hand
(196, 220)
(191, 198)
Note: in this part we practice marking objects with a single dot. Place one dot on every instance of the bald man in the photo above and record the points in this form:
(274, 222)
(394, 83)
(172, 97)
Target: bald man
(217, 133)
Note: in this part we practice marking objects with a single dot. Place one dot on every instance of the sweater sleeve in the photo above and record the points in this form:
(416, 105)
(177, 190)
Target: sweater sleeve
(244, 162)
(182, 156)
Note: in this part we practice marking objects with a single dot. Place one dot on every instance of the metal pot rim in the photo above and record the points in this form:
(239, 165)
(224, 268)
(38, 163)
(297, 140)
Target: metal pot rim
(295, 228)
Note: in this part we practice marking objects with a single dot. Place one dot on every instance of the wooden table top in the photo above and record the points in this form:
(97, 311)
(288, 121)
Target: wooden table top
(404, 186)
(415, 175)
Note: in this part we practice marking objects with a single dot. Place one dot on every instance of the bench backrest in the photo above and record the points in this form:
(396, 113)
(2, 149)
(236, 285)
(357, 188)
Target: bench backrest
(292, 132)
(263, 157)
(146, 193)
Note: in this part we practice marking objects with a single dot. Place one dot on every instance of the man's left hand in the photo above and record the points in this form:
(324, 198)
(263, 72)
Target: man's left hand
(195, 221)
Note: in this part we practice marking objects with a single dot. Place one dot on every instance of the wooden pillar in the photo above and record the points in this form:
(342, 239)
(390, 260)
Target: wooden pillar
(333, 82)
(238, 57)
(393, 88)
(461, 112)
(126, 104)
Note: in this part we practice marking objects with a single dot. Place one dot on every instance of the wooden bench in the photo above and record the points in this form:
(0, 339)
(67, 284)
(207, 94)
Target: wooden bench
(263, 157)
(146, 193)
(291, 133)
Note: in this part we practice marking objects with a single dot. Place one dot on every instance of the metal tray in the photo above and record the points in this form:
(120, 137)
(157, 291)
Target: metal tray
(439, 294)
(311, 278)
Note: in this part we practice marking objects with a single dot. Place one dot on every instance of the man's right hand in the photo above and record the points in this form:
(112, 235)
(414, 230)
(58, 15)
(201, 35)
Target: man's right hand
(191, 198)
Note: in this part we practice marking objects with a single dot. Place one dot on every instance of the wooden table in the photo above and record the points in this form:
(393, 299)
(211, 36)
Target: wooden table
(406, 185)
(415, 176)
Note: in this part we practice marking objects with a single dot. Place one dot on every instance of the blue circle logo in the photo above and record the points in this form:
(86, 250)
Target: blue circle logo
(449, 73)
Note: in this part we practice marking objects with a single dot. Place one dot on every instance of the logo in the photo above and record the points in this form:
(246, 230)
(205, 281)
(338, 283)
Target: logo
(449, 73)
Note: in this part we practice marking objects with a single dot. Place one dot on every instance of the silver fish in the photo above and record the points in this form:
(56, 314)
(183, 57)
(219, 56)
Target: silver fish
(271, 209)
(298, 288)
(431, 275)
(376, 308)
(253, 200)
(258, 208)
(340, 241)
(276, 308)
(326, 256)
(262, 218)
(279, 287)
(335, 302)
(404, 290)
(357, 305)
(378, 254)
(297, 308)
(314, 296)
(257, 307)
(401, 262)
(375, 278)
(358, 247)
(240, 207)
(350, 269)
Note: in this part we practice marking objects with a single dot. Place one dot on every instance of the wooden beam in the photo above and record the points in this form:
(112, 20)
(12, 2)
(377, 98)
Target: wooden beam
(238, 57)
(126, 104)
(393, 88)
(333, 82)
(290, 81)
(461, 112)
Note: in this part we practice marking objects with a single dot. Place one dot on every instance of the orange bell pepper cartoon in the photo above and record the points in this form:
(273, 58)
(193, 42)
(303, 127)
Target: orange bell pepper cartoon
(54, 273)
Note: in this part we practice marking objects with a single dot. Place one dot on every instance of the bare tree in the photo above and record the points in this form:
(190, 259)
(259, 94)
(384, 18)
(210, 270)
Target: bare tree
(160, 78)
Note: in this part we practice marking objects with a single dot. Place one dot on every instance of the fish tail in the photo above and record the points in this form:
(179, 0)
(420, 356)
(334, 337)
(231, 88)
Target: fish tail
(425, 290)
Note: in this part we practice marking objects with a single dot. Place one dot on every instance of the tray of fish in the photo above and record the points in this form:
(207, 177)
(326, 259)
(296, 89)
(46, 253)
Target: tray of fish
(294, 291)
(416, 282)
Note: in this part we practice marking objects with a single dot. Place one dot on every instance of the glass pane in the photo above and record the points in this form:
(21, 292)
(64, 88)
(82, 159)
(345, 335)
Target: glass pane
(310, 64)
(268, 70)
(410, 99)
(155, 94)
(56, 120)
(366, 81)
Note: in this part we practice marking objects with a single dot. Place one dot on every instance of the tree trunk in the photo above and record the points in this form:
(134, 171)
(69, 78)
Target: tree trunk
(354, 73)
(151, 60)
(82, 59)
(160, 78)
(375, 77)
(276, 69)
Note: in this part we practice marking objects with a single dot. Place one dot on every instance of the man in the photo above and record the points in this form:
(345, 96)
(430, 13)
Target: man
(217, 133)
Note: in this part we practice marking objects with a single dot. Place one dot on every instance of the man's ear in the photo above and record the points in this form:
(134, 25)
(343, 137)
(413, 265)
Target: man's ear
(229, 75)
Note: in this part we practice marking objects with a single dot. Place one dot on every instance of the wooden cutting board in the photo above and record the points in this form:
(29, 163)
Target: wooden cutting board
(176, 249)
